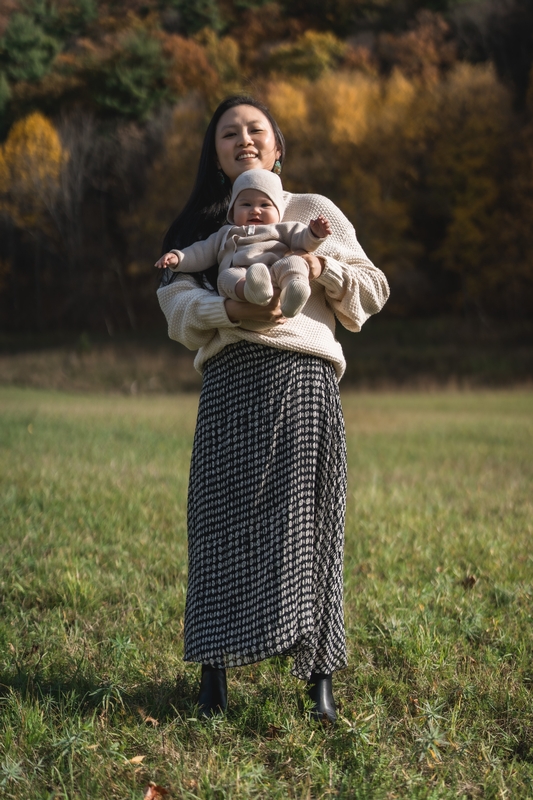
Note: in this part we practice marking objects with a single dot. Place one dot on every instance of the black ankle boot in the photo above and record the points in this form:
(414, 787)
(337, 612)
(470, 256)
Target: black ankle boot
(213, 695)
(319, 689)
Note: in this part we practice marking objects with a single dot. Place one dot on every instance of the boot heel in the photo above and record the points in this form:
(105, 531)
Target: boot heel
(320, 691)
(213, 694)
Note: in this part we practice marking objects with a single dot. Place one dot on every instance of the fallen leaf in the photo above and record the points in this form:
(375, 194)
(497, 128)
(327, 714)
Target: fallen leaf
(137, 759)
(154, 792)
(273, 731)
(469, 581)
(146, 718)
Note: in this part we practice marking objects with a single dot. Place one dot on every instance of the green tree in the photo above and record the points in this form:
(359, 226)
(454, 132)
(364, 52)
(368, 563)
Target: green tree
(250, 4)
(131, 81)
(194, 15)
(67, 19)
(26, 50)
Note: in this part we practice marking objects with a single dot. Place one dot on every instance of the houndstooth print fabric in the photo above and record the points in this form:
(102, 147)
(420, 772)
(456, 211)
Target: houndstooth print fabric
(267, 496)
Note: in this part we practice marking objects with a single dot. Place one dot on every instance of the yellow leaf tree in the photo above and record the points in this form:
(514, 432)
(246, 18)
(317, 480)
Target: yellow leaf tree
(31, 162)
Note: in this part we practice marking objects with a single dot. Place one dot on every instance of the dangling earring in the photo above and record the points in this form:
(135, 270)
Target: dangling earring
(221, 177)
(276, 169)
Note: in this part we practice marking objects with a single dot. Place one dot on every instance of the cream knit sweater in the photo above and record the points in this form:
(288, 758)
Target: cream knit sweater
(350, 288)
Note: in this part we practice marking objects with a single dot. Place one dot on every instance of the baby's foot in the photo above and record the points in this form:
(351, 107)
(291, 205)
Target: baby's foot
(294, 297)
(258, 286)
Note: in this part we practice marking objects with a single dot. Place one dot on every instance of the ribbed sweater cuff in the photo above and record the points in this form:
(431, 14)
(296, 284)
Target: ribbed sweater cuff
(331, 278)
(212, 312)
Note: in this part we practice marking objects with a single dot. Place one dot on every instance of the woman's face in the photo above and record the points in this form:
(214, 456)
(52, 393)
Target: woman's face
(244, 140)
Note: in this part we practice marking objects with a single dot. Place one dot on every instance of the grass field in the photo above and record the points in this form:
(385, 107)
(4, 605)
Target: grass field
(95, 700)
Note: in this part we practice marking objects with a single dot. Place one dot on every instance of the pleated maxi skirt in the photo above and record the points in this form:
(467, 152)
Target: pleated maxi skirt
(266, 508)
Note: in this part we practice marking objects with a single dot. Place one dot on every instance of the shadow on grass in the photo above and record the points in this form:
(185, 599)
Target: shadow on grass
(263, 707)
(155, 700)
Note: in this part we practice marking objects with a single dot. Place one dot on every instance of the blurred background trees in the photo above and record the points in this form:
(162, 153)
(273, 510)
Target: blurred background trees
(416, 118)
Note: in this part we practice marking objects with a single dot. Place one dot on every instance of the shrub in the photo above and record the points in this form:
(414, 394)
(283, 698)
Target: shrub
(26, 50)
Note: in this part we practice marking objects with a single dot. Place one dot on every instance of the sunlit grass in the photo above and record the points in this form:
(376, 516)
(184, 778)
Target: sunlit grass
(436, 702)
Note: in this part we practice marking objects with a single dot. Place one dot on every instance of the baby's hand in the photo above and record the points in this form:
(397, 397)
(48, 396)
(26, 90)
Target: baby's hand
(320, 227)
(168, 260)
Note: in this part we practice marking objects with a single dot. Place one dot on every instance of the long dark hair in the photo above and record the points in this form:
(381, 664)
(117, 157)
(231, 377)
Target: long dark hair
(206, 209)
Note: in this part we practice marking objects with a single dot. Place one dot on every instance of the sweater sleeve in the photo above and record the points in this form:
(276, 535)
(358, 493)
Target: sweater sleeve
(303, 238)
(354, 287)
(202, 254)
(193, 313)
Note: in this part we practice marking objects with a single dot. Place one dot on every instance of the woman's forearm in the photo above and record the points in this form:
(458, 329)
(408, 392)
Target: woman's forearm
(193, 313)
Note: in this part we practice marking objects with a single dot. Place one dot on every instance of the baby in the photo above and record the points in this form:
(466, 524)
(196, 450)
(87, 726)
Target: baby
(252, 250)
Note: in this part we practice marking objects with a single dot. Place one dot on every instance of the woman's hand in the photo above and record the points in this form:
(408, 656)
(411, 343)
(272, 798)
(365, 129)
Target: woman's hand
(238, 311)
(315, 263)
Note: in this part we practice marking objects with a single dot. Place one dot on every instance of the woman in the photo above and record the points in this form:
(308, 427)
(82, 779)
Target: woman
(267, 488)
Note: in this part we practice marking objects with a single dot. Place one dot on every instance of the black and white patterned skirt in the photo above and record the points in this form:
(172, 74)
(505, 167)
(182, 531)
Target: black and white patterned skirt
(267, 497)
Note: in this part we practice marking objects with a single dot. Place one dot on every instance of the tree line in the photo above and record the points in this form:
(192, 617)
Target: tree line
(415, 118)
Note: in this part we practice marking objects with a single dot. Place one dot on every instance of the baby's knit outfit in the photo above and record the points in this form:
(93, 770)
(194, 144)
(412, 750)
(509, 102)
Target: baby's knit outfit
(237, 248)
(350, 289)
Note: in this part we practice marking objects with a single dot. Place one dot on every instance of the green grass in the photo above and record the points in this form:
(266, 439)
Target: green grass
(437, 700)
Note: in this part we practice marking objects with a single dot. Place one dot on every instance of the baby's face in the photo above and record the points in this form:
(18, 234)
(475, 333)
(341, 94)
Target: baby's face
(254, 208)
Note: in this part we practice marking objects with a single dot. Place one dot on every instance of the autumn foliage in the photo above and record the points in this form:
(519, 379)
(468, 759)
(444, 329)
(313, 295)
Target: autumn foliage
(31, 161)
(412, 124)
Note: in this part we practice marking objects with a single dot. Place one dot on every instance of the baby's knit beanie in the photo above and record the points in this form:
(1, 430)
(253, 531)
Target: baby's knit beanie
(263, 181)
